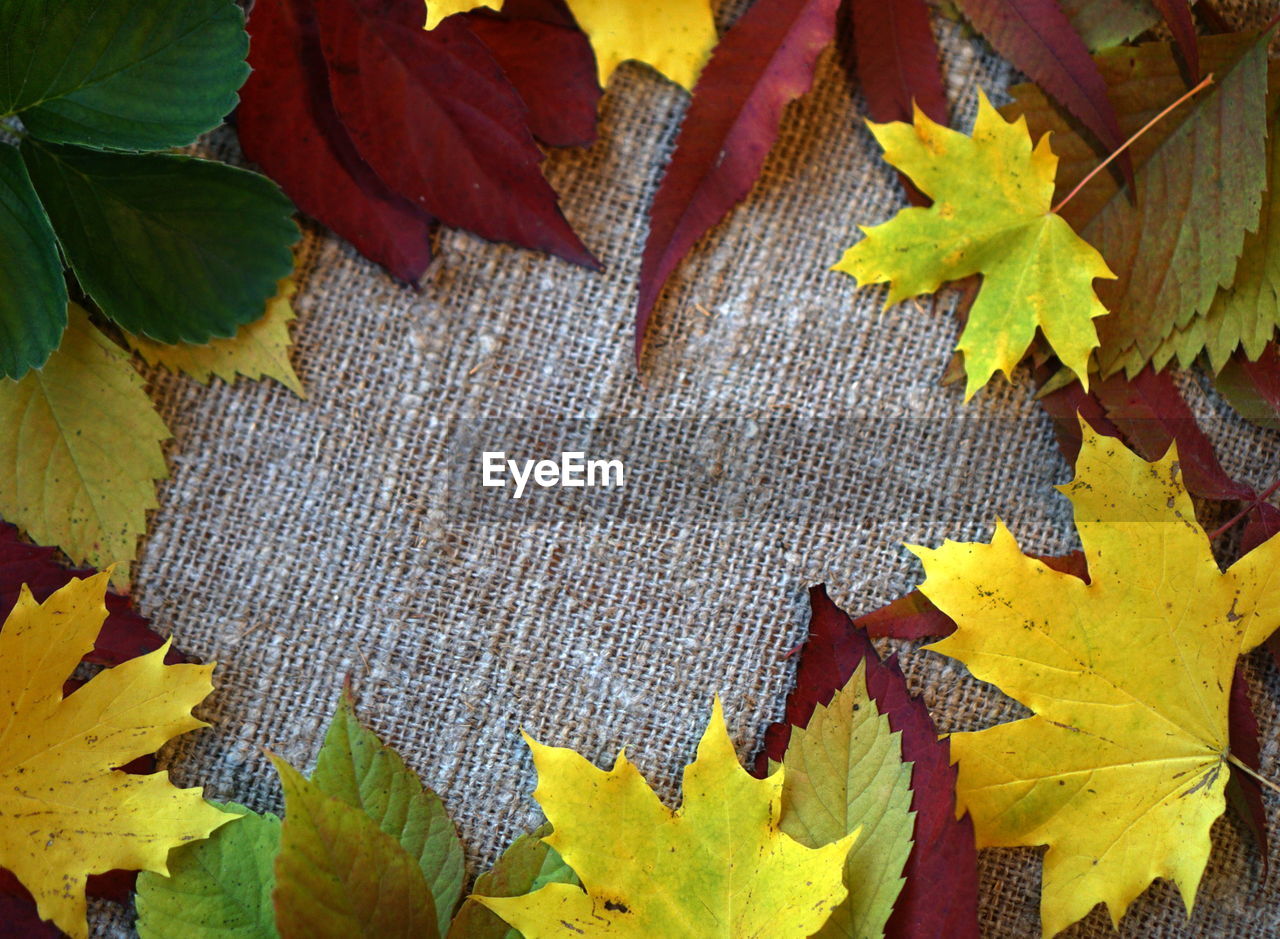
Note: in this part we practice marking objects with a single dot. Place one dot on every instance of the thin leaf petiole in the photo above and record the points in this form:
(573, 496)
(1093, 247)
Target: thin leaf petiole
(1204, 83)
(1241, 765)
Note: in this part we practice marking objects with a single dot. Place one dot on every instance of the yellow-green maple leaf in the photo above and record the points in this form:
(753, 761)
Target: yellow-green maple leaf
(258, 350)
(674, 36)
(66, 811)
(719, 867)
(81, 450)
(1121, 771)
(992, 196)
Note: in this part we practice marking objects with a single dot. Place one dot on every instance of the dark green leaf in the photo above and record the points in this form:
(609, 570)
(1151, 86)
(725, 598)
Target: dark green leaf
(169, 247)
(33, 294)
(355, 767)
(528, 865)
(219, 888)
(121, 74)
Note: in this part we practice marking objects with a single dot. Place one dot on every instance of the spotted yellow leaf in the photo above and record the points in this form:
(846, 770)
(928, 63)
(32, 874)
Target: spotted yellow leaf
(718, 867)
(1121, 771)
(66, 811)
(80, 453)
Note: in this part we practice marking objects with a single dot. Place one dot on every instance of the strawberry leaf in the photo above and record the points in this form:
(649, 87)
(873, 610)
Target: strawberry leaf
(121, 74)
(170, 247)
(33, 293)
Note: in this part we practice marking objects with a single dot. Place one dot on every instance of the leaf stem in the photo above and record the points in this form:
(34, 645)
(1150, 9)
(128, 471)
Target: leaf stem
(1235, 519)
(1204, 83)
(1241, 765)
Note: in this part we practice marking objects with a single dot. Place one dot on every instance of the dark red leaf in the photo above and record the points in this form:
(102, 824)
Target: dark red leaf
(1148, 413)
(897, 59)
(1177, 13)
(546, 11)
(124, 635)
(940, 896)
(760, 65)
(1253, 388)
(911, 618)
(1264, 522)
(554, 71)
(287, 126)
(1037, 37)
(434, 116)
(1243, 791)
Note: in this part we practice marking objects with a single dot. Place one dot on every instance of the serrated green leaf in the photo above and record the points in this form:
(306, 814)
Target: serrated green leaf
(258, 350)
(845, 772)
(121, 74)
(355, 767)
(1205, 161)
(219, 888)
(81, 451)
(33, 292)
(170, 247)
(339, 876)
(529, 864)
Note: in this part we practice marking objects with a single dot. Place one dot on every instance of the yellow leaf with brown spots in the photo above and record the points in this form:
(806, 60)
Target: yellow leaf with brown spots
(66, 811)
(1121, 771)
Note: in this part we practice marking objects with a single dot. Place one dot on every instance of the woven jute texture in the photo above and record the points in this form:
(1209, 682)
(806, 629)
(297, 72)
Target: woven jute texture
(786, 432)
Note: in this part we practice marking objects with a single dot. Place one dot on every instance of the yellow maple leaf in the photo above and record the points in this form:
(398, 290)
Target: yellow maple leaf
(992, 195)
(719, 867)
(258, 350)
(65, 810)
(1122, 770)
(674, 36)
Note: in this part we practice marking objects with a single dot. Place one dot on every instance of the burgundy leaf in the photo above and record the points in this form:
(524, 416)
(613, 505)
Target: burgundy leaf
(434, 116)
(765, 61)
(1177, 13)
(554, 12)
(1253, 388)
(1264, 522)
(897, 60)
(1243, 791)
(1037, 37)
(124, 635)
(1148, 413)
(287, 126)
(940, 896)
(911, 618)
(554, 71)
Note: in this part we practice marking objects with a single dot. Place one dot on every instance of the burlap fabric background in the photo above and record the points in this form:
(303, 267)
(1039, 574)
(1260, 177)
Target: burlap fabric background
(302, 543)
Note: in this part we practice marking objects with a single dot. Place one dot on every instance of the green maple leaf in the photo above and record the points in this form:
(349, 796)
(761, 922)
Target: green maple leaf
(991, 215)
